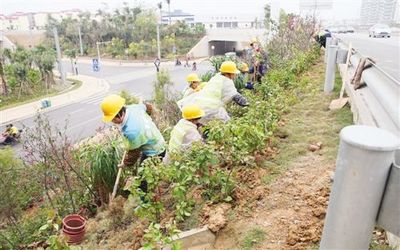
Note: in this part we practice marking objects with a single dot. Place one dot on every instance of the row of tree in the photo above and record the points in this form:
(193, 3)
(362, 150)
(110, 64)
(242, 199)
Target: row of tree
(23, 71)
(131, 32)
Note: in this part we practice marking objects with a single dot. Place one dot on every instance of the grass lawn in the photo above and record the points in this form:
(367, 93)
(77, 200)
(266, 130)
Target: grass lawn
(12, 100)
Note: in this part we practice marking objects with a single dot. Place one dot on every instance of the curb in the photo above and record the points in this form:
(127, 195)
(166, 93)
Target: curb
(104, 85)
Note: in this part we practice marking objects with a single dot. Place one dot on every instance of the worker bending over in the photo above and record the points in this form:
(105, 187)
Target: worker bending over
(143, 136)
(216, 93)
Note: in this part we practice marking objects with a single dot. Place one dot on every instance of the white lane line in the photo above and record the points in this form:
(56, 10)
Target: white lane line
(85, 122)
(94, 101)
(75, 111)
(92, 98)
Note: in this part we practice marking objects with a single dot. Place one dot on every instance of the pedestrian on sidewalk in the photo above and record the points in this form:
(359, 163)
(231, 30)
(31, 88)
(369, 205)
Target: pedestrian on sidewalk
(157, 63)
(76, 68)
(143, 136)
(187, 61)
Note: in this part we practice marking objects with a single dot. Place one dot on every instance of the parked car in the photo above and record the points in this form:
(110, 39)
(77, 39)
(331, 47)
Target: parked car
(350, 29)
(342, 29)
(380, 30)
(333, 29)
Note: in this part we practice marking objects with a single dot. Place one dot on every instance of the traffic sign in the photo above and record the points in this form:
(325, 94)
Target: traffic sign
(95, 65)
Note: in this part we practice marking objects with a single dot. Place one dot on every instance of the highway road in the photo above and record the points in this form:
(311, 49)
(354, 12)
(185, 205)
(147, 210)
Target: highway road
(385, 51)
(84, 117)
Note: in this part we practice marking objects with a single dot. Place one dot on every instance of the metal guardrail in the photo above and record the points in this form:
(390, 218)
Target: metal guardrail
(377, 104)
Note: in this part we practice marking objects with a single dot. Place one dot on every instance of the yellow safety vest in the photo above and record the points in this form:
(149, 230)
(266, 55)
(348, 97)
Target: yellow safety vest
(188, 91)
(210, 97)
(178, 133)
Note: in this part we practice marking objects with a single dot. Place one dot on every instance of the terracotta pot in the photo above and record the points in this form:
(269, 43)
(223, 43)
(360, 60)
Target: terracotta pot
(74, 228)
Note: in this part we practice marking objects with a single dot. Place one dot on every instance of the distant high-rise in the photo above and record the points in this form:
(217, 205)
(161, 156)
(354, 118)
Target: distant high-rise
(378, 11)
(316, 5)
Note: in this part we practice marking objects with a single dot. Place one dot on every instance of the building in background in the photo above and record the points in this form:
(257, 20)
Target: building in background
(177, 15)
(378, 11)
(315, 5)
(230, 21)
(397, 13)
(33, 21)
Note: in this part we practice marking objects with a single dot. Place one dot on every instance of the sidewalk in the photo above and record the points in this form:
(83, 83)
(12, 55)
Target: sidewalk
(90, 86)
(129, 63)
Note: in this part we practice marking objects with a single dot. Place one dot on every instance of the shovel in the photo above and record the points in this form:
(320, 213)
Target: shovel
(339, 103)
(118, 177)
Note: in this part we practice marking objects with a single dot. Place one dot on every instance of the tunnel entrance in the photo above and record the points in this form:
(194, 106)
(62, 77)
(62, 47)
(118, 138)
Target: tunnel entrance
(221, 47)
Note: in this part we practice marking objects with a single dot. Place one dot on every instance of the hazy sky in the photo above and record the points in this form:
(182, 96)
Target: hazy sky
(341, 8)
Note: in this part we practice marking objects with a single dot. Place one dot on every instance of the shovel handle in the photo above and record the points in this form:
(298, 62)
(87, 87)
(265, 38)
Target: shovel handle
(117, 179)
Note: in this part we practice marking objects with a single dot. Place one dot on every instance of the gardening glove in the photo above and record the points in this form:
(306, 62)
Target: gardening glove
(240, 100)
(149, 108)
(132, 157)
(249, 86)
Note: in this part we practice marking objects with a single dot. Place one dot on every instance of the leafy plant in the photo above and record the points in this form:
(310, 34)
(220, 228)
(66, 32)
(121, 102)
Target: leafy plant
(102, 161)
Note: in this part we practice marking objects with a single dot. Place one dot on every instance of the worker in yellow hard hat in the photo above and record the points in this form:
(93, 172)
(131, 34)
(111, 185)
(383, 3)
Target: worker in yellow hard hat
(216, 93)
(243, 77)
(195, 84)
(253, 41)
(186, 130)
(144, 138)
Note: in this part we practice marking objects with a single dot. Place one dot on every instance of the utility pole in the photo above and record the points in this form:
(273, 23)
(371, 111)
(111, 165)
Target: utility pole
(158, 33)
(80, 40)
(98, 51)
(169, 11)
(60, 66)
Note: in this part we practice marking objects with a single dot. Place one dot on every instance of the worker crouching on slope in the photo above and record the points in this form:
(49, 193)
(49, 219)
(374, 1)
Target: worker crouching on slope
(243, 76)
(216, 93)
(143, 136)
(195, 85)
(186, 130)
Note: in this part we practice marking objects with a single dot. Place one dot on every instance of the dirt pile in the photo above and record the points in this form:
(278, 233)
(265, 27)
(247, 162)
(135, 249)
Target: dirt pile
(214, 216)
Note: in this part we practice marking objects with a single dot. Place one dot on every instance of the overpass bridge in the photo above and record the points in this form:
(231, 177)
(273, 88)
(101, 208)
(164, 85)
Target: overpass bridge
(219, 41)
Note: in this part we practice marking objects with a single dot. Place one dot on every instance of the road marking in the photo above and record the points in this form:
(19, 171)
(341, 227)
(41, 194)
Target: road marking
(83, 123)
(76, 111)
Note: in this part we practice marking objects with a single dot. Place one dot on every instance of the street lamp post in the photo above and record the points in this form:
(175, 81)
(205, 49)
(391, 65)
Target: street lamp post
(60, 65)
(98, 50)
(169, 10)
(80, 39)
(158, 33)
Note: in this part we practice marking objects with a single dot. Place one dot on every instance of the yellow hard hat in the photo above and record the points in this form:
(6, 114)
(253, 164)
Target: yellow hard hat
(192, 78)
(192, 112)
(229, 67)
(253, 40)
(244, 67)
(110, 106)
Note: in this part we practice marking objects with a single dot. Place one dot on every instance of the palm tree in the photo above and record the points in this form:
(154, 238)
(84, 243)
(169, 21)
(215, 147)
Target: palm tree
(20, 63)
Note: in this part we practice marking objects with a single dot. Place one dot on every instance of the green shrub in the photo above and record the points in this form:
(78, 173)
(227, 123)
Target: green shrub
(101, 162)
(19, 189)
(129, 98)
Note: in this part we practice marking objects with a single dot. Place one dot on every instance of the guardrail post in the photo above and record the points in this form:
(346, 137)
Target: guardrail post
(328, 42)
(330, 68)
(362, 167)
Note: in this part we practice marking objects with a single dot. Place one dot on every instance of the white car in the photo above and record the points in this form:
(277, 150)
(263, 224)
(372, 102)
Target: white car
(380, 30)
